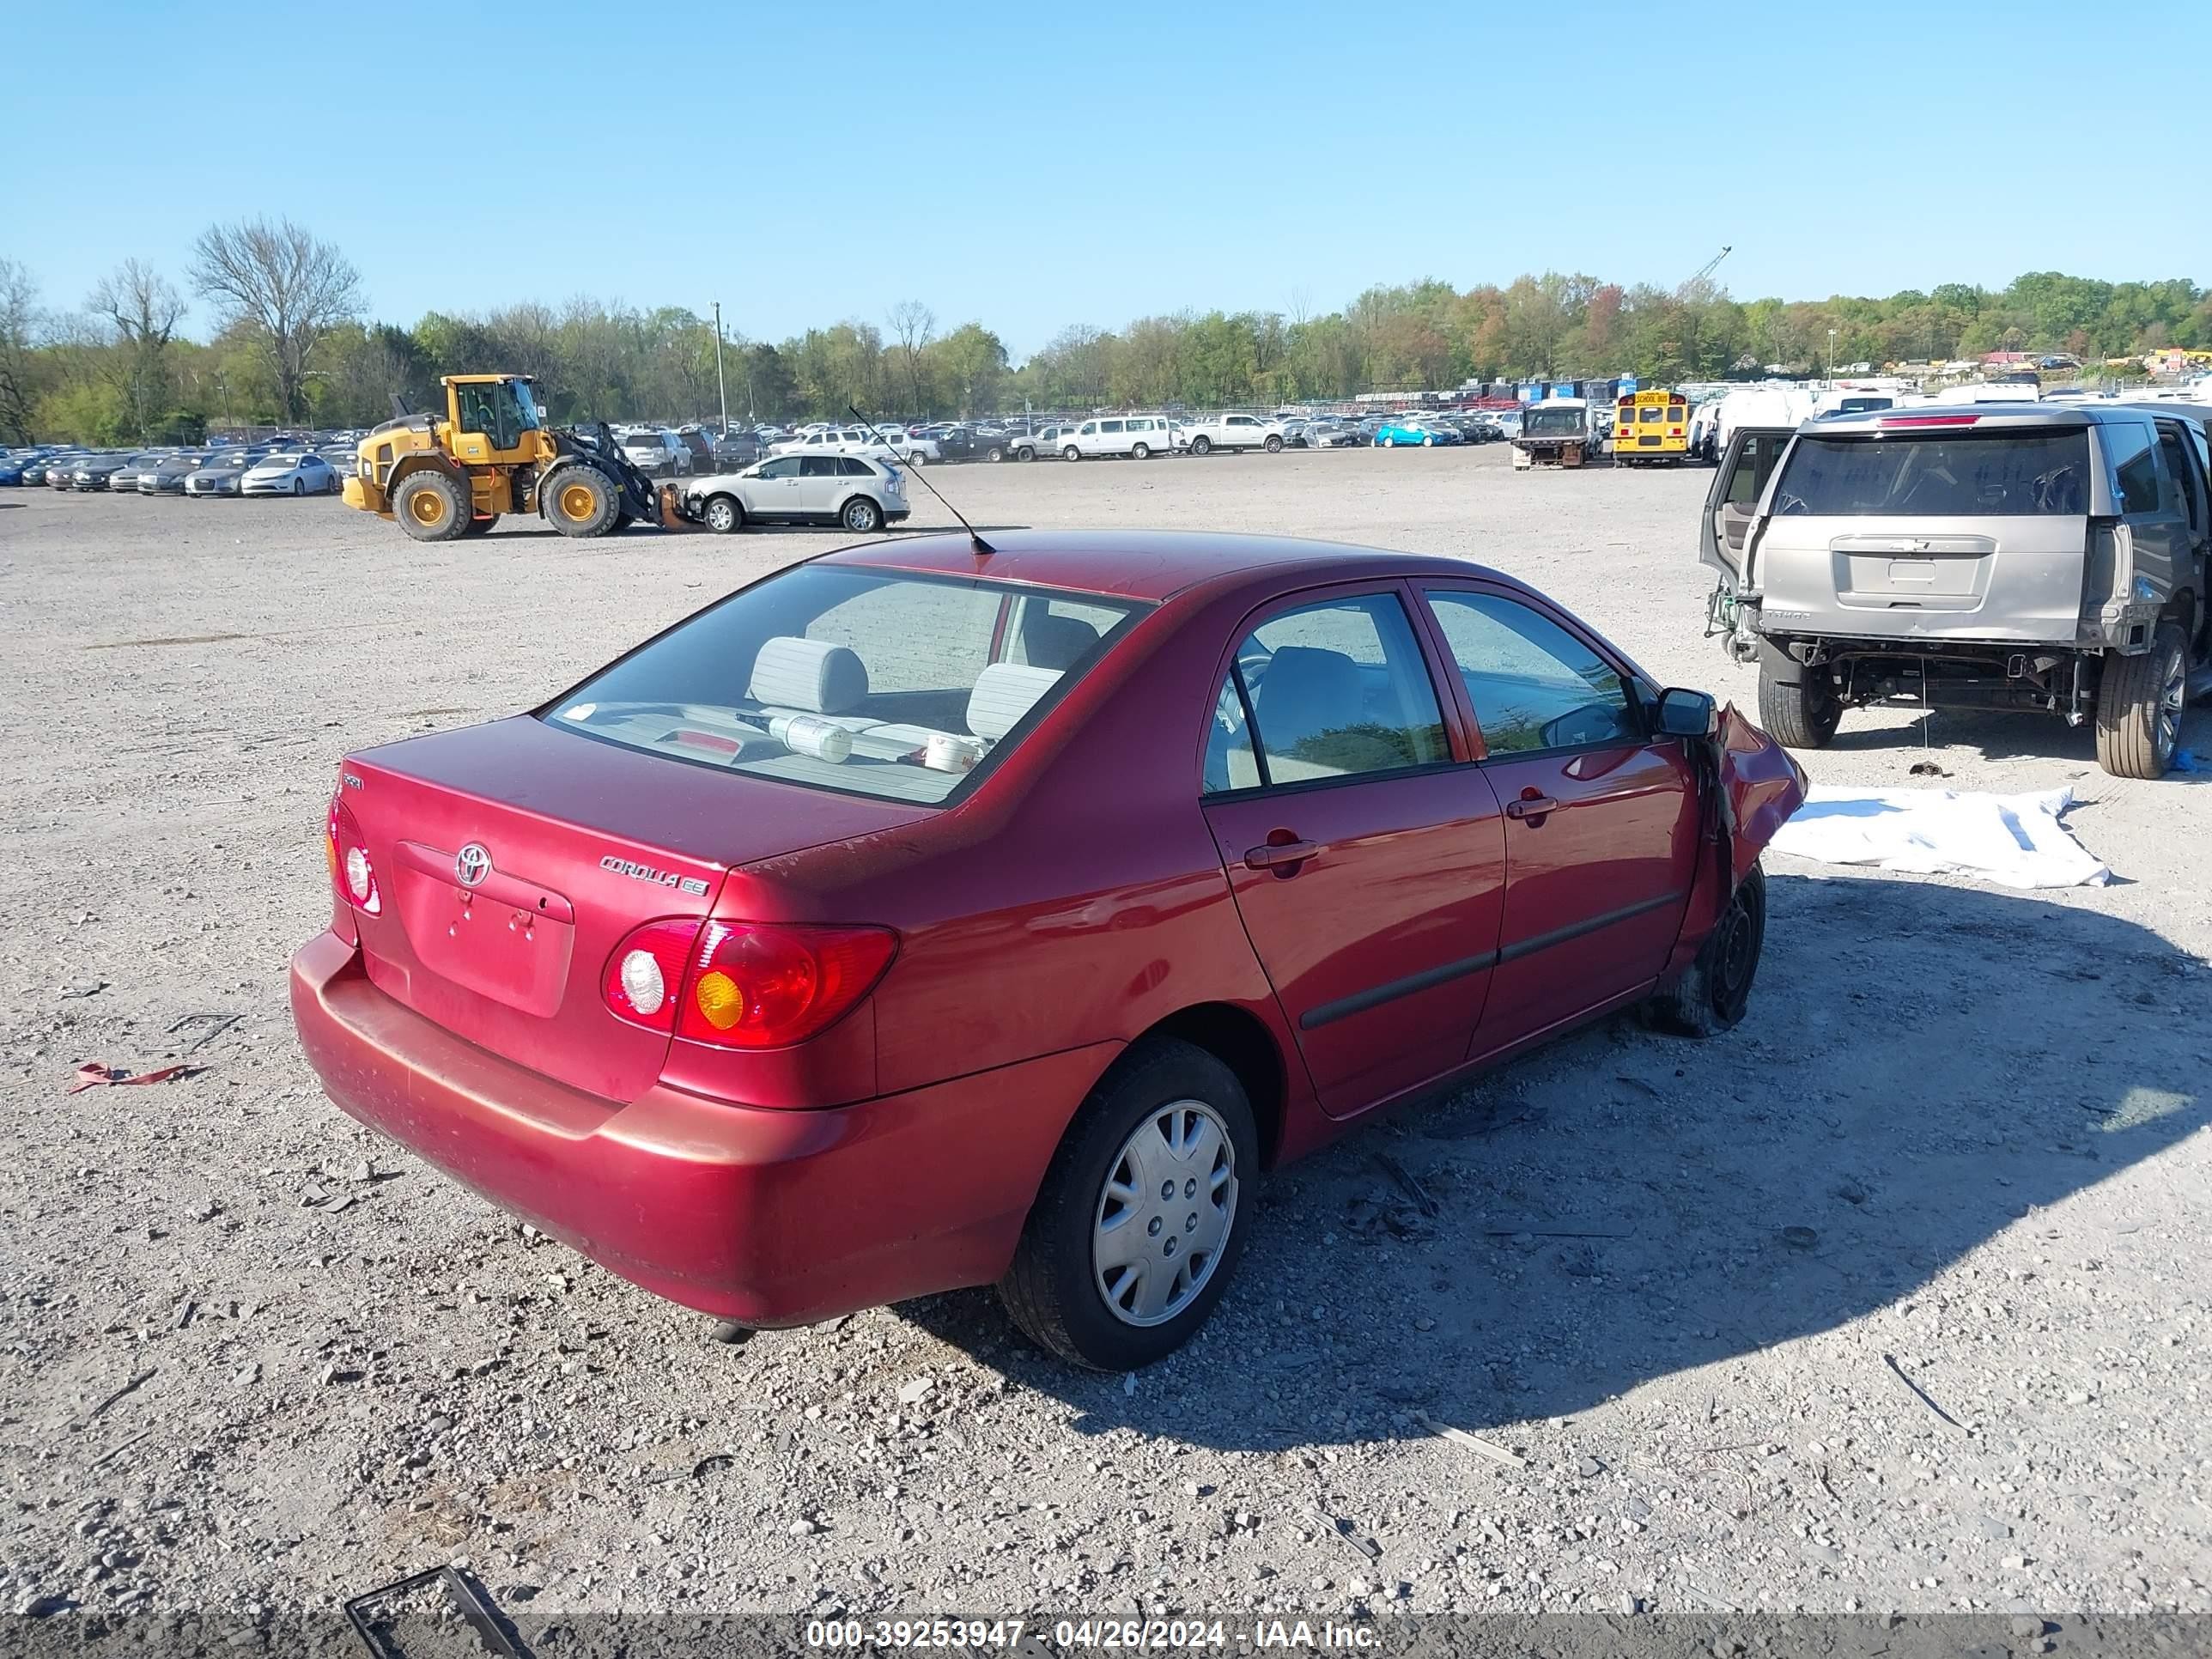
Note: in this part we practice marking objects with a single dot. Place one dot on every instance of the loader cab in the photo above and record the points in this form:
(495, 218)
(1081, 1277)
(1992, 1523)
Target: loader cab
(493, 418)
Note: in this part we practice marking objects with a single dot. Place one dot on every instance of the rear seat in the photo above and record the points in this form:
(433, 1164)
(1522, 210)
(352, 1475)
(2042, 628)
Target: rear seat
(795, 676)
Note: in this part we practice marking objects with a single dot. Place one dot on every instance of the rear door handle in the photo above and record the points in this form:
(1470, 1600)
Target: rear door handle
(1531, 806)
(1274, 854)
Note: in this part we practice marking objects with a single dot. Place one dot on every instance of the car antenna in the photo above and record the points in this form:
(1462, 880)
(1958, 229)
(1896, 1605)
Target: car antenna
(980, 544)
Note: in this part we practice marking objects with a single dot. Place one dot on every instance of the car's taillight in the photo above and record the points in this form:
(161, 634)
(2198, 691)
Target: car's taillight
(646, 973)
(351, 872)
(743, 984)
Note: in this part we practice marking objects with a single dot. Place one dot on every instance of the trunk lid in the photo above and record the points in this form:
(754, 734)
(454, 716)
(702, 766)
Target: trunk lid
(511, 858)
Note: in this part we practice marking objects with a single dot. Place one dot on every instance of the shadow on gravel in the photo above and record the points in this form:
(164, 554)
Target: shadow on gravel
(1923, 1067)
(2001, 735)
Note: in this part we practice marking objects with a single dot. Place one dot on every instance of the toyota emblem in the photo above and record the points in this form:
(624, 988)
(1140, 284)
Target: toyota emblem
(472, 864)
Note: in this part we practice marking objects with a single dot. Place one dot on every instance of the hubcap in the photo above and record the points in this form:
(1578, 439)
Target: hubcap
(576, 501)
(1167, 1209)
(856, 516)
(2172, 698)
(427, 507)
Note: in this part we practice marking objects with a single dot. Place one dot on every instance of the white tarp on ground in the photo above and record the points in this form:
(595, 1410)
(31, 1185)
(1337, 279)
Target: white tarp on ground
(2016, 840)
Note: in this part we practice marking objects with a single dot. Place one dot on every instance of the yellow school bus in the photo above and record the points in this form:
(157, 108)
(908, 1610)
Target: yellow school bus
(1650, 426)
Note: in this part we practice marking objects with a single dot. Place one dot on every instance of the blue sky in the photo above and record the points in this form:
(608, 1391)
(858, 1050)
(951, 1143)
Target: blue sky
(1055, 163)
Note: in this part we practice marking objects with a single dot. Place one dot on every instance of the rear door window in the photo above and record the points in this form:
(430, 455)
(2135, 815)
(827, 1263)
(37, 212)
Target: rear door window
(1339, 690)
(2032, 472)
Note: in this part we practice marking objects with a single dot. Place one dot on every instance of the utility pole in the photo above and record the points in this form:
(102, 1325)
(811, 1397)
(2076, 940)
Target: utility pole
(1831, 355)
(720, 386)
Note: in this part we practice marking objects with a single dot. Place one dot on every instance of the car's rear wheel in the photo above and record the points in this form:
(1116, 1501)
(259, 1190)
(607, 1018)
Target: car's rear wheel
(1141, 452)
(994, 453)
(1202, 445)
(1143, 1213)
(723, 515)
(1712, 995)
(862, 516)
(431, 506)
(1803, 715)
(1274, 445)
(2139, 704)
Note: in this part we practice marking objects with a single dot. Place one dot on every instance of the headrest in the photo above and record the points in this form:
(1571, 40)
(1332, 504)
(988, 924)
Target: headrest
(1305, 692)
(814, 675)
(1003, 693)
(1050, 641)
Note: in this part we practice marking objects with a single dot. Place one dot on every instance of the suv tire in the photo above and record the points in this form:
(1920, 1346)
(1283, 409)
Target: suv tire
(1055, 1290)
(2139, 704)
(1802, 716)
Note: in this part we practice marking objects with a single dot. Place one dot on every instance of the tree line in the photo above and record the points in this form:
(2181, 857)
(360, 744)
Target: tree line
(291, 343)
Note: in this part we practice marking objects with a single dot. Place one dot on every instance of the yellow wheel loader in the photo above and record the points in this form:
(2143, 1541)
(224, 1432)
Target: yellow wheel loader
(492, 453)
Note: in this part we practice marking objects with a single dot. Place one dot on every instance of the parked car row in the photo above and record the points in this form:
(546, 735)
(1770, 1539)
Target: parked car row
(231, 470)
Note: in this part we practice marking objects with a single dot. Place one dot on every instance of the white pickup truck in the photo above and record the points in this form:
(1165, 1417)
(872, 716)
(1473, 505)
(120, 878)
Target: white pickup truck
(1230, 431)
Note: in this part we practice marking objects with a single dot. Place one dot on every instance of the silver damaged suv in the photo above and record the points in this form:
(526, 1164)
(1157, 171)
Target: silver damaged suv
(2014, 555)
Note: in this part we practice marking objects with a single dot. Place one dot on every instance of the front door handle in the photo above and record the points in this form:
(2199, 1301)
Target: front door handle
(1274, 856)
(1531, 807)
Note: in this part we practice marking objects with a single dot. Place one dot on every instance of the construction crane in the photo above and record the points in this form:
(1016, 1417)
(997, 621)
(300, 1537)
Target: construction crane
(1706, 269)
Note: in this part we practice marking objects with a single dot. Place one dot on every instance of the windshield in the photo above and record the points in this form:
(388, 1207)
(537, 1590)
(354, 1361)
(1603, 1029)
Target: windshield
(866, 682)
(527, 406)
(2008, 474)
(1552, 423)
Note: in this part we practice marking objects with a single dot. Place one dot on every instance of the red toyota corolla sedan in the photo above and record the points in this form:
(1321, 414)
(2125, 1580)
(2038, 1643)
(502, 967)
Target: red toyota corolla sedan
(922, 916)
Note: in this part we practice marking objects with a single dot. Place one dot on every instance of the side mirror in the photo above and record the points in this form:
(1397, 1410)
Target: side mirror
(1684, 713)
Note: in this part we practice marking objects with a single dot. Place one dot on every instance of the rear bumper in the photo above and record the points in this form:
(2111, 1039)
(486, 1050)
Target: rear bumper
(768, 1216)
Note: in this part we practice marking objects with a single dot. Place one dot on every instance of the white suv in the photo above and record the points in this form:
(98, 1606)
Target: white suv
(1139, 437)
(654, 451)
(1231, 432)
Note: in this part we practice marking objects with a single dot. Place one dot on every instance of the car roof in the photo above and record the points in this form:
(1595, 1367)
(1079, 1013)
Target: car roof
(1145, 564)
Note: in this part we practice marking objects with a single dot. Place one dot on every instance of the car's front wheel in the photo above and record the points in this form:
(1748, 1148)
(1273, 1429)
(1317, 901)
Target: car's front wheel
(1712, 995)
(299, 486)
(1143, 1213)
(723, 515)
(1071, 454)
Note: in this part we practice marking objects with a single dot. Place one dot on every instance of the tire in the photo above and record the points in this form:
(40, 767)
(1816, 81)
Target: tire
(2139, 704)
(1202, 445)
(579, 500)
(1071, 454)
(1273, 446)
(994, 453)
(300, 487)
(1388, 442)
(1711, 996)
(432, 507)
(1026, 453)
(1055, 1292)
(481, 527)
(1430, 441)
(1141, 452)
(862, 516)
(1800, 716)
(723, 514)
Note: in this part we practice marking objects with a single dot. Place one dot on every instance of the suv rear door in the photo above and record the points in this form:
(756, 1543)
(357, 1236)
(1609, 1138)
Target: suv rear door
(1942, 525)
(1732, 503)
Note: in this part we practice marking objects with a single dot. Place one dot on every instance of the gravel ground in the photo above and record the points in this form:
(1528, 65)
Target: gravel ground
(1893, 1299)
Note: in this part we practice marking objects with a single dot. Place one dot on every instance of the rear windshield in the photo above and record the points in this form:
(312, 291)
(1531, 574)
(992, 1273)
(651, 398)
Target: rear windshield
(866, 682)
(2014, 474)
